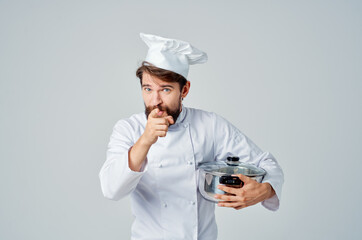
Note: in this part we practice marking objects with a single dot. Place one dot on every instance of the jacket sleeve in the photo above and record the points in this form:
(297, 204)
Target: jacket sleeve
(228, 141)
(117, 179)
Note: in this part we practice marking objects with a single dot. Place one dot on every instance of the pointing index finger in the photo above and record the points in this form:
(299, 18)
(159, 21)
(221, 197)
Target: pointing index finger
(157, 113)
(154, 113)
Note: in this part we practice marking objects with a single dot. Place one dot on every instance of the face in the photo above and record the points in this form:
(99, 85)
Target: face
(163, 95)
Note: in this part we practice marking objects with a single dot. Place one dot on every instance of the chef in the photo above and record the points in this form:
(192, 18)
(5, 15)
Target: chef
(154, 155)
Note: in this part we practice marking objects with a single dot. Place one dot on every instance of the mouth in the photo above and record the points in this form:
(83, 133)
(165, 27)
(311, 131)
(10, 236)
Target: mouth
(170, 112)
(160, 108)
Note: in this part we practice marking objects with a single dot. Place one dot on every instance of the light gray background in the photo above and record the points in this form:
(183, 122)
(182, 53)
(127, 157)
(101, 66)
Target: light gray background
(287, 73)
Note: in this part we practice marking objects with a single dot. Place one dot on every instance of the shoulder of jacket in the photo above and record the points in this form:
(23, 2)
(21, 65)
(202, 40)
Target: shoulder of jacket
(201, 112)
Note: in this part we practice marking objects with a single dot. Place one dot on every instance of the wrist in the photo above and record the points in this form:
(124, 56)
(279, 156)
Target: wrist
(143, 142)
(270, 190)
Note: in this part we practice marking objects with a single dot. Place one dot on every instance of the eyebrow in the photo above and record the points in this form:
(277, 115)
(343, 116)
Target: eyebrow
(164, 86)
(170, 86)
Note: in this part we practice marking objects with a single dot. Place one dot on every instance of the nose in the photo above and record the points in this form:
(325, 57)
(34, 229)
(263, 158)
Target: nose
(156, 98)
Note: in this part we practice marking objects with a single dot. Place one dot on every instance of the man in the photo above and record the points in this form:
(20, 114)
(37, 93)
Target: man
(154, 155)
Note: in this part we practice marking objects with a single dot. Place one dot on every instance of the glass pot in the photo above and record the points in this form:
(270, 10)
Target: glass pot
(211, 174)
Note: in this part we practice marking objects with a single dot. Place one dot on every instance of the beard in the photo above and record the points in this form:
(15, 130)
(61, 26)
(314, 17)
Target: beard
(174, 113)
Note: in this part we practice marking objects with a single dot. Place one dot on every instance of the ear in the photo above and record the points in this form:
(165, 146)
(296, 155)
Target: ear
(185, 89)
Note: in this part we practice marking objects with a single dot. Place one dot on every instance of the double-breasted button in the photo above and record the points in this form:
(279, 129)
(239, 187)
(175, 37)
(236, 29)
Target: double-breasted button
(164, 204)
(189, 162)
(160, 165)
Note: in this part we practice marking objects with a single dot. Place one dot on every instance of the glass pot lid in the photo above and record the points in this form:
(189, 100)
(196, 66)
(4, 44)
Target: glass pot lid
(231, 166)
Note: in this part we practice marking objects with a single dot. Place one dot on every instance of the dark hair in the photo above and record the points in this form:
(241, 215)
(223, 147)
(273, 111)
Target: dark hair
(164, 75)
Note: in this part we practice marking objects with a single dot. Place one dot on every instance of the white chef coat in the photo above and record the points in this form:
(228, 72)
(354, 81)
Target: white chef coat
(166, 201)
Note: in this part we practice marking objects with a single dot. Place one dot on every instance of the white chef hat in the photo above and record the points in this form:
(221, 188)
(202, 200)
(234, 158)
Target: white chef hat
(171, 54)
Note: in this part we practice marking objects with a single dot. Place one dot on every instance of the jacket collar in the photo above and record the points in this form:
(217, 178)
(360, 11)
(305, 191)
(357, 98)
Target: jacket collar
(182, 115)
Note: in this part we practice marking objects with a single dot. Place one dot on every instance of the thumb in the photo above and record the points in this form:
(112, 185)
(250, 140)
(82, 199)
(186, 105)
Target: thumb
(154, 113)
(242, 177)
(162, 113)
(170, 120)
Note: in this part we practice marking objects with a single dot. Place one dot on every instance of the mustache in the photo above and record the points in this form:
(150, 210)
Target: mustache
(174, 113)
(151, 108)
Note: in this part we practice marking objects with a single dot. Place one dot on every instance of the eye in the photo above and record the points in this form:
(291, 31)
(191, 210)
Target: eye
(147, 89)
(167, 90)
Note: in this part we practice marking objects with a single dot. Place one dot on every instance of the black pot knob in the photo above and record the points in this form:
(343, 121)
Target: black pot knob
(231, 180)
(233, 159)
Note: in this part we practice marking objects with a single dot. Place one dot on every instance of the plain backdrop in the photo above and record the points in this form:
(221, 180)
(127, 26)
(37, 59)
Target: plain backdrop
(286, 73)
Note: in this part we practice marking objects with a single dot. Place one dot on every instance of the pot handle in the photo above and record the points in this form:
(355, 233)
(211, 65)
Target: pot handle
(230, 180)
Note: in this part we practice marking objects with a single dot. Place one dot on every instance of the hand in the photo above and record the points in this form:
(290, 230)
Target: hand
(251, 193)
(157, 126)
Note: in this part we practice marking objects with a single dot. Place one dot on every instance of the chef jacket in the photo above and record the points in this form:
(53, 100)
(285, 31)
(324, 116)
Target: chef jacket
(165, 198)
